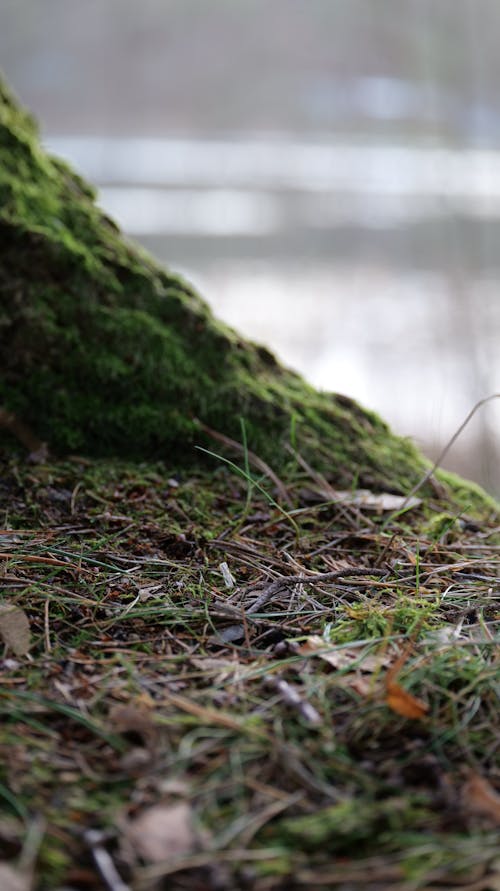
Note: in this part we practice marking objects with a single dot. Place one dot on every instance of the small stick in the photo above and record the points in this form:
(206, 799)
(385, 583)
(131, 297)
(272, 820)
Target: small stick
(445, 450)
(318, 478)
(104, 864)
(292, 698)
(48, 645)
(314, 579)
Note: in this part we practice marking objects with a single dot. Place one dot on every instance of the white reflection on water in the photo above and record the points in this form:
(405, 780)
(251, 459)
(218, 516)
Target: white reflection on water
(235, 212)
(256, 187)
(216, 212)
(277, 164)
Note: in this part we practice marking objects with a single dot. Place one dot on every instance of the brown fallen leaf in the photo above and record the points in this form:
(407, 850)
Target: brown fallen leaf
(403, 703)
(14, 628)
(397, 698)
(479, 797)
(161, 832)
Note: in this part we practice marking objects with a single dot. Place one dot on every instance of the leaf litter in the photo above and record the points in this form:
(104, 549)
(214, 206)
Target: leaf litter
(221, 698)
(14, 628)
(161, 833)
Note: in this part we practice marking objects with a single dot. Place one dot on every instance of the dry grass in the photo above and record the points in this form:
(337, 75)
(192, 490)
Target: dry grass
(274, 710)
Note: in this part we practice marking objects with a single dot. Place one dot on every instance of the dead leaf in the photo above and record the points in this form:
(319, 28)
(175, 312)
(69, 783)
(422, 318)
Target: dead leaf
(230, 634)
(479, 797)
(162, 832)
(397, 698)
(343, 658)
(147, 591)
(403, 703)
(12, 879)
(364, 498)
(14, 628)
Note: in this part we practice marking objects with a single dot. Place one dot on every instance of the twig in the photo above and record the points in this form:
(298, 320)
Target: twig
(291, 696)
(325, 488)
(313, 579)
(105, 866)
(46, 625)
(444, 452)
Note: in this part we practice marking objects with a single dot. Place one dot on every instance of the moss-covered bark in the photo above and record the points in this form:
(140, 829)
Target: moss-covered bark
(105, 352)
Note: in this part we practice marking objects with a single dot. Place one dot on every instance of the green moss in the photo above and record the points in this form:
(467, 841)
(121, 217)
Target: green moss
(467, 495)
(106, 353)
(439, 525)
(352, 821)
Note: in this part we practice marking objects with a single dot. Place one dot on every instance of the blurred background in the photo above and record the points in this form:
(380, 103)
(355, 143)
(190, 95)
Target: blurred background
(326, 172)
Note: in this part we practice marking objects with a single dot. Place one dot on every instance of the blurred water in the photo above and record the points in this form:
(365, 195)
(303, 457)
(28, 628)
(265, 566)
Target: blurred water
(371, 269)
(470, 176)
(392, 339)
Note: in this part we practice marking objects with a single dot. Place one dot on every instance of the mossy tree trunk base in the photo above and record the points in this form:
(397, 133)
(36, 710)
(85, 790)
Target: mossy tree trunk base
(106, 353)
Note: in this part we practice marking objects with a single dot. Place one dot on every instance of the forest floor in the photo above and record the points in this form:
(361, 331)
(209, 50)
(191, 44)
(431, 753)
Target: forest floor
(205, 690)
